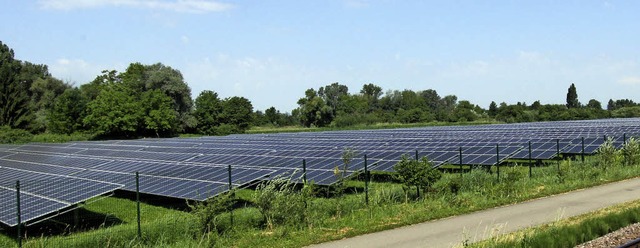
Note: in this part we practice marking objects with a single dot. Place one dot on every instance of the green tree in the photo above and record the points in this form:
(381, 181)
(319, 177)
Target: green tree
(431, 99)
(67, 112)
(237, 112)
(372, 94)
(611, 105)
(463, 112)
(332, 95)
(419, 174)
(594, 104)
(572, 97)
(493, 109)
(273, 116)
(44, 92)
(208, 111)
(626, 112)
(313, 111)
(114, 112)
(447, 105)
(160, 117)
(536, 105)
(139, 78)
(14, 97)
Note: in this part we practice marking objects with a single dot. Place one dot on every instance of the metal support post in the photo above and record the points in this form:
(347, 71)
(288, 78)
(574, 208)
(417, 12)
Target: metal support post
(366, 181)
(138, 203)
(530, 161)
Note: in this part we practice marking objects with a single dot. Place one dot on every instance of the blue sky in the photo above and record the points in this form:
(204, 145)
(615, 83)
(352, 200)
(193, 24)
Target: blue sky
(272, 51)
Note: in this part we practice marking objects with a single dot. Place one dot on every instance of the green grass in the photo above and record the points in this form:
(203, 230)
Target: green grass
(335, 217)
(574, 231)
(61, 138)
(292, 129)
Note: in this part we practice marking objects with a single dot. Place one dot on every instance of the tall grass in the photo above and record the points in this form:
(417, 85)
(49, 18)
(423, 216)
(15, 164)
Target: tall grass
(572, 231)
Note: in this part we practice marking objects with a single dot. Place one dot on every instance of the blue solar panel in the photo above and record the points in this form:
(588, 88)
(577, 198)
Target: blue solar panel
(32, 207)
(195, 168)
(44, 193)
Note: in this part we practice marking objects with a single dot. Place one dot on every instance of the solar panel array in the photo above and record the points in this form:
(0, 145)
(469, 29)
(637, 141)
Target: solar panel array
(43, 193)
(197, 168)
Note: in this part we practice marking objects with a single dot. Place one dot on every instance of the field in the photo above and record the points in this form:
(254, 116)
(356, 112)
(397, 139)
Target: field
(293, 212)
(325, 218)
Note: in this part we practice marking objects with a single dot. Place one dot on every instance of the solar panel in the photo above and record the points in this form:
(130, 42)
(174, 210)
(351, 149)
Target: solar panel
(43, 193)
(203, 160)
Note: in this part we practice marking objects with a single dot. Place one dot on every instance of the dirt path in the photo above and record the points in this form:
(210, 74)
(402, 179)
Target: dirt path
(481, 225)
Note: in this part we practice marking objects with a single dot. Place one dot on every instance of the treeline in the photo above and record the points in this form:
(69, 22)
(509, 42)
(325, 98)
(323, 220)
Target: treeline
(155, 101)
(333, 105)
(142, 101)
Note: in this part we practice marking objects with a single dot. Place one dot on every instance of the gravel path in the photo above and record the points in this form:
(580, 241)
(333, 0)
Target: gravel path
(615, 239)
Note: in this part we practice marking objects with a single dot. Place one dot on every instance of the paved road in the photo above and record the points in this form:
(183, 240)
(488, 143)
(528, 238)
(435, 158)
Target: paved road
(481, 225)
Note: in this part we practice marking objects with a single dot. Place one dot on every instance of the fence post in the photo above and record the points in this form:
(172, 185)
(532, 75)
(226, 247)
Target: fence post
(498, 160)
(460, 158)
(624, 142)
(231, 202)
(417, 155)
(530, 162)
(366, 181)
(138, 203)
(582, 151)
(558, 152)
(18, 213)
(304, 171)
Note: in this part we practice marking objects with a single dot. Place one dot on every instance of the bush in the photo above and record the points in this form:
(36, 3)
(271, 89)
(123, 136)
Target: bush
(477, 180)
(608, 155)
(420, 174)
(631, 152)
(208, 212)
(511, 176)
(280, 203)
(13, 136)
(448, 184)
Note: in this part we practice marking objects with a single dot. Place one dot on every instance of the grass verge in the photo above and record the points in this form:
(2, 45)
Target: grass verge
(572, 231)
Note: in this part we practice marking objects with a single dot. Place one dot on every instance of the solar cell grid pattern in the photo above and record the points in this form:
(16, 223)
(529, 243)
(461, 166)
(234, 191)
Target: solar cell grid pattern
(197, 168)
(43, 193)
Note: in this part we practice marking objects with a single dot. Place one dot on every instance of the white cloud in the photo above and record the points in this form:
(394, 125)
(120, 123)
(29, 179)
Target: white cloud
(77, 71)
(185, 6)
(630, 80)
(265, 82)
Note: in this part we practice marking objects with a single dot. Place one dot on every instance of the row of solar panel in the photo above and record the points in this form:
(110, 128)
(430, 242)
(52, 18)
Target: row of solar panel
(195, 168)
(42, 193)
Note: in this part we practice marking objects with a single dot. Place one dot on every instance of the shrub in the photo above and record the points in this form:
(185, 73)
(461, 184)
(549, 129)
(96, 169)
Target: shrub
(11, 136)
(512, 175)
(631, 152)
(448, 184)
(608, 155)
(341, 173)
(280, 203)
(477, 180)
(420, 174)
(207, 213)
